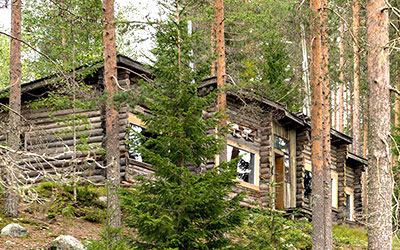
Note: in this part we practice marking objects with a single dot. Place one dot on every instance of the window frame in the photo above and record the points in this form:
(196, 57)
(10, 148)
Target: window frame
(133, 119)
(335, 189)
(256, 185)
(350, 192)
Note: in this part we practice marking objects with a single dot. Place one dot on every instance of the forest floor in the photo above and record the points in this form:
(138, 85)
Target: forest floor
(56, 213)
(42, 230)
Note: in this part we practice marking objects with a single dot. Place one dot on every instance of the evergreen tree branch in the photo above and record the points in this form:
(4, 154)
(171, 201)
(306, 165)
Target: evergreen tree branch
(345, 21)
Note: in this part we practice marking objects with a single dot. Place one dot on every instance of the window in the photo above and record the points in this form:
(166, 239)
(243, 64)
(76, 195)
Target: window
(335, 189)
(246, 168)
(135, 141)
(349, 204)
(283, 146)
(348, 207)
(307, 181)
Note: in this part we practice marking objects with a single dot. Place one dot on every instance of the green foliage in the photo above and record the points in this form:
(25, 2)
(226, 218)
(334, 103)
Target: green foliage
(348, 237)
(270, 75)
(4, 61)
(177, 208)
(108, 242)
(263, 52)
(185, 211)
(70, 35)
(271, 230)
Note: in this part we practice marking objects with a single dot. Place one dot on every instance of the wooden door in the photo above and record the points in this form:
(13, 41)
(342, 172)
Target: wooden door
(279, 180)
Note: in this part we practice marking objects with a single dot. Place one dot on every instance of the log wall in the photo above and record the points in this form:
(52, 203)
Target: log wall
(57, 146)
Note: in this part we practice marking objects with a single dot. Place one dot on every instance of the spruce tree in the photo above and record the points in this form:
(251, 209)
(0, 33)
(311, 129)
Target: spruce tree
(179, 208)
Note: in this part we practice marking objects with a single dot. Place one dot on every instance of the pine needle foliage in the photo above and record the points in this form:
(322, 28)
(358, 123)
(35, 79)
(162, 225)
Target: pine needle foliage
(182, 206)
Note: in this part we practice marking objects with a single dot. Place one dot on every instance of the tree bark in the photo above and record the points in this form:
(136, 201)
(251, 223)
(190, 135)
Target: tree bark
(306, 74)
(112, 140)
(379, 145)
(320, 130)
(221, 67)
(356, 146)
(341, 78)
(365, 173)
(326, 125)
(397, 105)
(212, 45)
(14, 134)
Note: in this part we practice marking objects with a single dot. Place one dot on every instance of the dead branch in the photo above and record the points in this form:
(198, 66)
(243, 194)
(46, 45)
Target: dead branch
(396, 91)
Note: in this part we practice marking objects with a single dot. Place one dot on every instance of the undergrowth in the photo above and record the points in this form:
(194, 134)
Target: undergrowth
(59, 201)
(272, 230)
(349, 237)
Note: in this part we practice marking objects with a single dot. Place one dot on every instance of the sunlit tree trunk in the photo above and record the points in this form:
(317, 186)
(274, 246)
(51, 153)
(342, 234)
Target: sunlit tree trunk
(379, 148)
(320, 129)
(356, 146)
(112, 128)
(326, 133)
(14, 134)
(221, 67)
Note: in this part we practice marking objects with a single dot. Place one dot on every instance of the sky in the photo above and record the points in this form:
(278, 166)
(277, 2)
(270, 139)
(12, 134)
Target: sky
(5, 18)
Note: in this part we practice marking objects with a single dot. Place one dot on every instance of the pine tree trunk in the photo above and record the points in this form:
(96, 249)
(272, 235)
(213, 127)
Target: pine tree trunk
(112, 140)
(341, 78)
(379, 148)
(320, 130)
(11, 197)
(356, 146)
(221, 67)
(326, 133)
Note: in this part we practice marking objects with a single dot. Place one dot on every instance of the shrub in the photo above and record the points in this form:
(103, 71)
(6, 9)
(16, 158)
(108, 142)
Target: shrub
(272, 230)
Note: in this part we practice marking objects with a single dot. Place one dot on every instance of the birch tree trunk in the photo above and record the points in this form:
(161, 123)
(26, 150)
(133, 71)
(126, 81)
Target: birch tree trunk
(341, 78)
(306, 74)
(320, 130)
(11, 197)
(379, 148)
(356, 146)
(221, 67)
(112, 140)
(365, 173)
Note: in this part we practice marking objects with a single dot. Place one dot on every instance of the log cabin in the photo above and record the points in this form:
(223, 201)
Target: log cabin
(274, 143)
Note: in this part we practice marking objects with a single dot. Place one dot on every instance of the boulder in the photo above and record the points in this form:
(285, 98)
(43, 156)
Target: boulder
(14, 230)
(66, 242)
(103, 199)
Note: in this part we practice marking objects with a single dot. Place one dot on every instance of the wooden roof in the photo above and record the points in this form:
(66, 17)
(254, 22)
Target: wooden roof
(36, 88)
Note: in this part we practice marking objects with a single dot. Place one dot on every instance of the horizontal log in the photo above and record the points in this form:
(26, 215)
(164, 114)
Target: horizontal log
(68, 136)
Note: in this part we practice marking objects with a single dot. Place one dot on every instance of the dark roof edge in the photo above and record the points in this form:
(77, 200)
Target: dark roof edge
(341, 136)
(294, 117)
(132, 63)
(357, 158)
(26, 86)
(280, 106)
